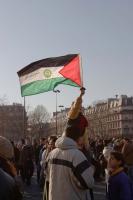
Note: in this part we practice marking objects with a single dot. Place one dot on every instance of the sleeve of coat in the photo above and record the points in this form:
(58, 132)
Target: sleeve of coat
(75, 108)
(83, 171)
(125, 150)
(43, 160)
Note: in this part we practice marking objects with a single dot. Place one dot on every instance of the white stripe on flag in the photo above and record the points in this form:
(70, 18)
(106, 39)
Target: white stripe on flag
(41, 74)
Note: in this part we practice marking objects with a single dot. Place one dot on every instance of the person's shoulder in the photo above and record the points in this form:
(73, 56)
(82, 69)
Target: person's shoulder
(5, 178)
(78, 155)
(44, 152)
(78, 152)
(53, 153)
(124, 181)
(8, 187)
(122, 177)
(73, 152)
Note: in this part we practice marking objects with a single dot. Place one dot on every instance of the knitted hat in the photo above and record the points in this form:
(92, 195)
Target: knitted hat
(6, 148)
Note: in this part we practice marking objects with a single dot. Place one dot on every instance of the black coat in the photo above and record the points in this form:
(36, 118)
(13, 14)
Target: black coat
(8, 188)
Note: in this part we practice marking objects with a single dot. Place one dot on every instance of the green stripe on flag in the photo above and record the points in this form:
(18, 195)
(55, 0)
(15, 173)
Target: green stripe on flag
(44, 86)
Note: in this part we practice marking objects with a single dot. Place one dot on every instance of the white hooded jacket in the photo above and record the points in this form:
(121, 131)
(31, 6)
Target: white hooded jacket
(70, 175)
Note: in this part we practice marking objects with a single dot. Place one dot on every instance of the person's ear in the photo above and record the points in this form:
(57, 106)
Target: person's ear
(79, 140)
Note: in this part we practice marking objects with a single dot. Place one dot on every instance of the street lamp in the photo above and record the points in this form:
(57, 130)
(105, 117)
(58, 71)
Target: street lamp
(61, 118)
(24, 119)
(56, 92)
(61, 106)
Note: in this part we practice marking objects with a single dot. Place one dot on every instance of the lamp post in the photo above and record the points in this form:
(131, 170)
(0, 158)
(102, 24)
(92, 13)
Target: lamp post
(61, 106)
(61, 121)
(24, 119)
(56, 92)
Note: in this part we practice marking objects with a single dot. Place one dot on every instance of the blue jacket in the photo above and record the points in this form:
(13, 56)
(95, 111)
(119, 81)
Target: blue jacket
(120, 187)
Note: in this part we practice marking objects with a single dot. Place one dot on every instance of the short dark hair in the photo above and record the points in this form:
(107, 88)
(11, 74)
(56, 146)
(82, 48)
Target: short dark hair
(76, 127)
(118, 156)
(43, 139)
(53, 138)
(74, 132)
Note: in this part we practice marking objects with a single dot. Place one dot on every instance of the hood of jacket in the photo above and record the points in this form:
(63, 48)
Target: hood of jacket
(65, 143)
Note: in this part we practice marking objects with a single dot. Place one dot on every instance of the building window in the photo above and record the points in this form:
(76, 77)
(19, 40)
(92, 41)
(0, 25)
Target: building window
(126, 130)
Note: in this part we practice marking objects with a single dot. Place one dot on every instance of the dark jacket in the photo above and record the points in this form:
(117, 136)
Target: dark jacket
(8, 187)
(120, 187)
(128, 154)
(37, 150)
(27, 154)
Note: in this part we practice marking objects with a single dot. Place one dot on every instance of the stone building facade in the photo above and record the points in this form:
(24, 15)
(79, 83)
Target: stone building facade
(61, 121)
(110, 118)
(12, 121)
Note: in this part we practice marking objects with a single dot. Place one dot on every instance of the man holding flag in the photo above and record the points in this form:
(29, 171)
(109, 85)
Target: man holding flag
(69, 172)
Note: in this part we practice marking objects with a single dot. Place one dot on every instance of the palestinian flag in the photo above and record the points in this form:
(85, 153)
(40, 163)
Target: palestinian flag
(44, 75)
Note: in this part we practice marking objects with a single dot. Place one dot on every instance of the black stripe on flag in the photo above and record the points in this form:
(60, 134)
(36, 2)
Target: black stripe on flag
(48, 62)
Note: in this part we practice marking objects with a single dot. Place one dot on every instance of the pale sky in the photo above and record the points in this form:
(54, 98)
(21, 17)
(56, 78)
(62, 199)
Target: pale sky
(100, 30)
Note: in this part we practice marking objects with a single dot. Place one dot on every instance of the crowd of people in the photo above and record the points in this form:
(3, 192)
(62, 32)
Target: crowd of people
(68, 166)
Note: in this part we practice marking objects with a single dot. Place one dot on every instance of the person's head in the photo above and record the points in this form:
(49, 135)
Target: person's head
(6, 148)
(23, 141)
(6, 155)
(116, 160)
(42, 141)
(76, 128)
(51, 142)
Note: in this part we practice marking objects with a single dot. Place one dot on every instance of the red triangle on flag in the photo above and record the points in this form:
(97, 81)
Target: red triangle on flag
(72, 71)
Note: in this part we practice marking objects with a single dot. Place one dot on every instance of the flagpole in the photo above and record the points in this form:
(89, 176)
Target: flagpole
(56, 114)
(24, 118)
(81, 70)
